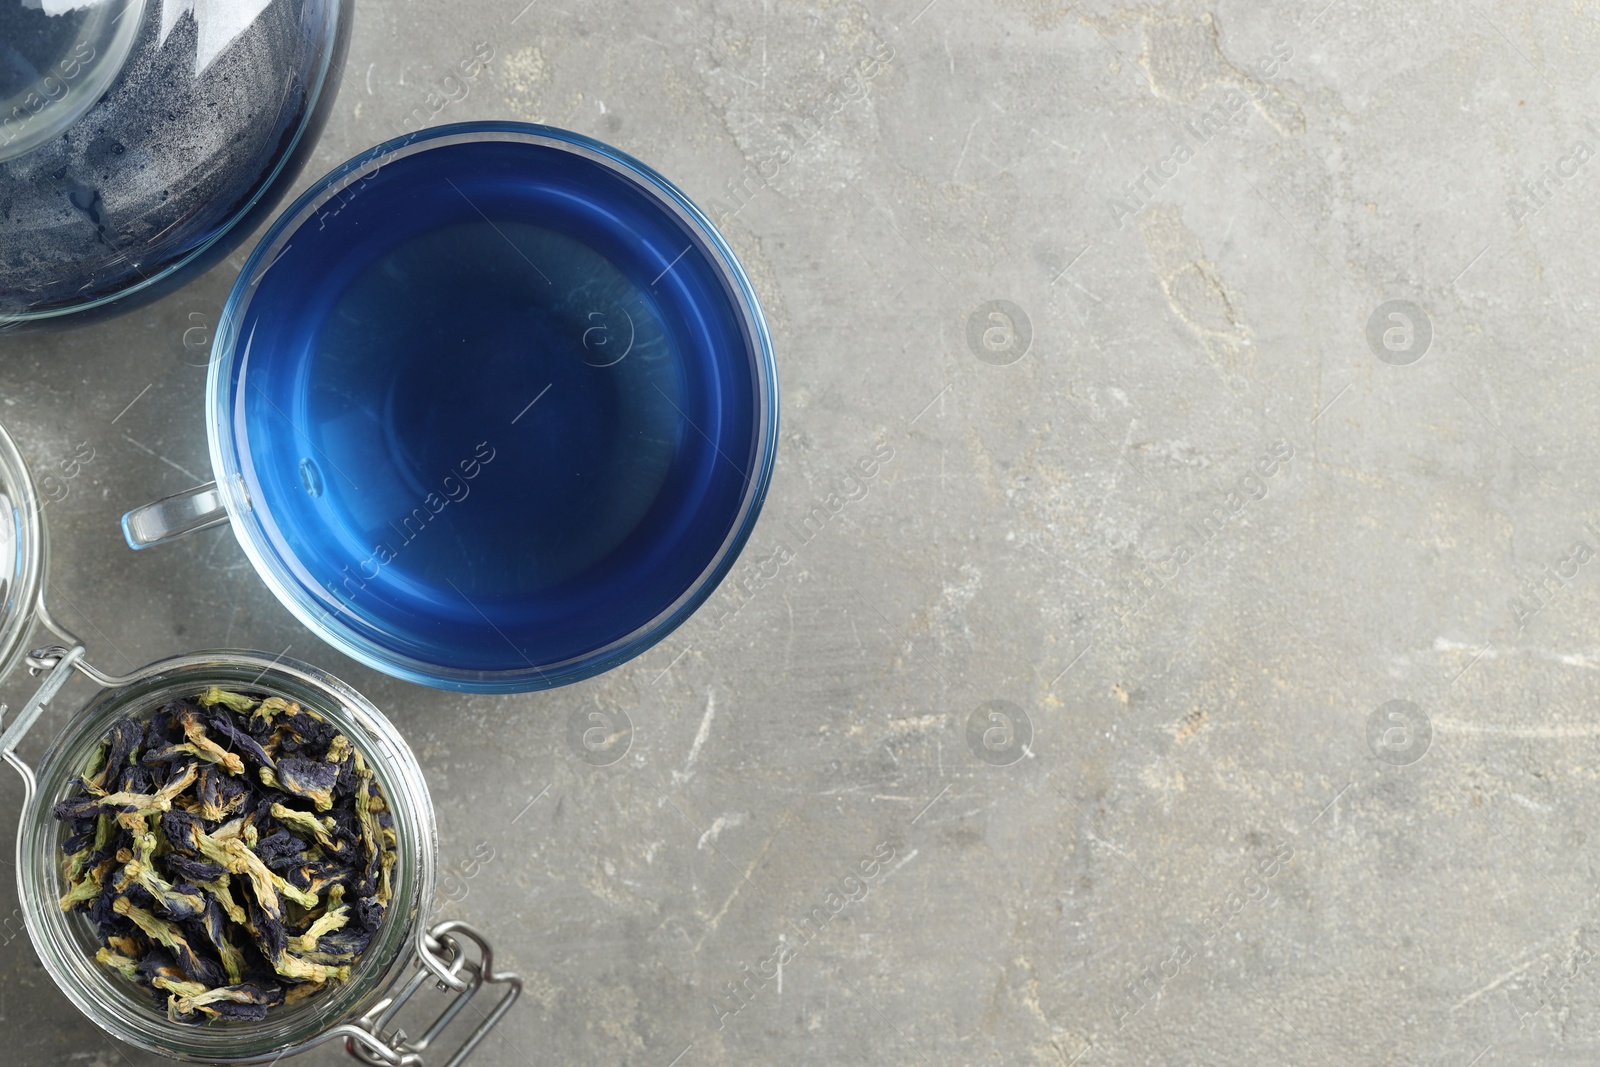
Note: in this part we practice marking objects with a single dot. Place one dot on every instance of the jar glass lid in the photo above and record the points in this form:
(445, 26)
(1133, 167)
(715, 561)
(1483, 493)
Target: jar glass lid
(57, 57)
(22, 553)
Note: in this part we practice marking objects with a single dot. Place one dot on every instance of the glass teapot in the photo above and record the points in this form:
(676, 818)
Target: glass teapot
(141, 140)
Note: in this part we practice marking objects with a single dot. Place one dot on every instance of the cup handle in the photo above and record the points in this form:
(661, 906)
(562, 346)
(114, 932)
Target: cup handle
(176, 516)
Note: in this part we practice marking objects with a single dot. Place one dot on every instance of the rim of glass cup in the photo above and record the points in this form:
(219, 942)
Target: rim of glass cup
(23, 574)
(289, 584)
(66, 943)
(262, 189)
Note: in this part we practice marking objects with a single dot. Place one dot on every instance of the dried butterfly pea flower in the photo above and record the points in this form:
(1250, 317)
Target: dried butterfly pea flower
(109, 836)
(81, 840)
(232, 701)
(321, 830)
(119, 746)
(280, 850)
(194, 966)
(214, 924)
(220, 794)
(339, 749)
(294, 994)
(182, 829)
(126, 965)
(130, 802)
(266, 931)
(94, 766)
(248, 1002)
(369, 914)
(89, 888)
(128, 946)
(178, 986)
(87, 849)
(211, 889)
(156, 961)
(306, 778)
(222, 892)
(237, 827)
(302, 970)
(178, 902)
(272, 940)
(315, 876)
(211, 753)
(365, 820)
(237, 739)
(105, 919)
(266, 713)
(159, 972)
(342, 946)
(88, 804)
(204, 746)
(334, 918)
(309, 732)
(235, 855)
(389, 845)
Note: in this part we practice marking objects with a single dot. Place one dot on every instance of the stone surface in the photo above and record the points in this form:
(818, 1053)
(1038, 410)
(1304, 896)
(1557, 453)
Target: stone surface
(1095, 675)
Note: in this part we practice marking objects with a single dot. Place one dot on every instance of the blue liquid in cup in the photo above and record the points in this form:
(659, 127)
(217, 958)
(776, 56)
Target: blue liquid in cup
(497, 406)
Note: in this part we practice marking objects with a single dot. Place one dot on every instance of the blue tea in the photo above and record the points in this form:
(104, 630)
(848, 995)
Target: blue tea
(498, 406)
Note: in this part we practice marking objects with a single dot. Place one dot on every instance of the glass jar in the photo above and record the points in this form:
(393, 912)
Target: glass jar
(357, 1011)
(23, 552)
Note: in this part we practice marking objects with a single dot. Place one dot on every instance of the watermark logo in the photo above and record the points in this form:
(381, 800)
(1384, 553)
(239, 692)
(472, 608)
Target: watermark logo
(802, 128)
(46, 91)
(1146, 986)
(55, 484)
(196, 348)
(999, 733)
(12, 927)
(1156, 573)
(451, 89)
(1399, 332)
(453, 489)
(1133, 197)
(1534, 194)
(849, 888)
(600, 738)
(1399, 733)
(453, 880)
(999, 333)
(606, 341)
(1553, 580)
(845, 489)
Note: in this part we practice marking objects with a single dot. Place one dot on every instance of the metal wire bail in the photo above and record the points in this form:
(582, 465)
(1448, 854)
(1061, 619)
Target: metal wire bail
(441, 958)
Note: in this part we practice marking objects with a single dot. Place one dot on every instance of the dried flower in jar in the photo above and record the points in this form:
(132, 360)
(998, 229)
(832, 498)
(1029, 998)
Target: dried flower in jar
(234, 851)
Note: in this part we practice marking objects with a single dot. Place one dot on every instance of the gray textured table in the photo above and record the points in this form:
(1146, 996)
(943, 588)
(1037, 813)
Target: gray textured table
(1195, 503)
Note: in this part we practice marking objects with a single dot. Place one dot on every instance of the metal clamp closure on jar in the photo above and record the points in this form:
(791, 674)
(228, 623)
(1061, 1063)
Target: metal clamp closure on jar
(438, 952)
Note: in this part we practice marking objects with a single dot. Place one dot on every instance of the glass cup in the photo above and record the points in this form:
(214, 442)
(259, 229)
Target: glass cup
(492, 407)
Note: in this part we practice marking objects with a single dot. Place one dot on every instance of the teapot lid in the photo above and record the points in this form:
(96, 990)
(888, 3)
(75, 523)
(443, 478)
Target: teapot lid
(22, 553)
